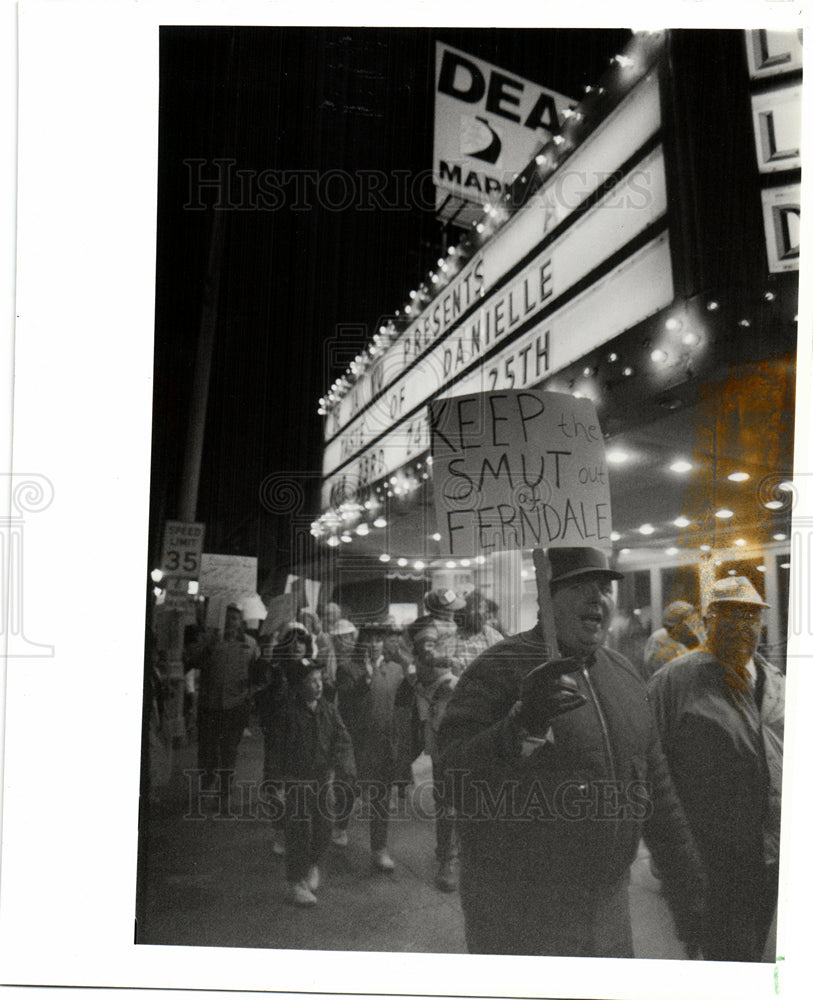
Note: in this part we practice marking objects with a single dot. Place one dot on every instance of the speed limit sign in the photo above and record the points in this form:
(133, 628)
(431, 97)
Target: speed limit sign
(183, 545)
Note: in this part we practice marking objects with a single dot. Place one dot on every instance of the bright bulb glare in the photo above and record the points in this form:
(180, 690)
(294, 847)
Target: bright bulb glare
(617, 457)
(739, 477)
(681, 466)
(724, 513)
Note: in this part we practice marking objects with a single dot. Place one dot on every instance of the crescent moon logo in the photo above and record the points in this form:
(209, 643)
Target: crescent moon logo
(483, 133)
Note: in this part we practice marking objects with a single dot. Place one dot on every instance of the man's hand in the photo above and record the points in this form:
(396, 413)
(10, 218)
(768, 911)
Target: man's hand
(547, 692)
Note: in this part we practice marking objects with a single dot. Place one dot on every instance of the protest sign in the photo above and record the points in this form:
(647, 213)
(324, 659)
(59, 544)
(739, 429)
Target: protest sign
(224, 580)
(518, 469)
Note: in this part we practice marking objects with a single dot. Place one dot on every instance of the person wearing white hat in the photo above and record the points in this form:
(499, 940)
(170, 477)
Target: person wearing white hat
(720, 711)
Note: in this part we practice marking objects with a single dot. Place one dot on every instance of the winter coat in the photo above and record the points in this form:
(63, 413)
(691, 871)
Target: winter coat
(724, 752)
(313, 743)
(548, 836)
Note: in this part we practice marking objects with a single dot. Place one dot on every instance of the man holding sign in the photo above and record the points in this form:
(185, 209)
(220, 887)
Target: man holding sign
(553, 760)
(556, 770)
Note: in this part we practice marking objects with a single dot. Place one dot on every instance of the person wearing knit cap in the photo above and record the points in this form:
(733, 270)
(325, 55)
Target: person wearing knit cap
(681, 631)
(313, 747)
(556, 771)
(720, 711)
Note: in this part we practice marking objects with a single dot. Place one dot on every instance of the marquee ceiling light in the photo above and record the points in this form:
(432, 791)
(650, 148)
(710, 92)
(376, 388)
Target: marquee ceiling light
(333, 541)
(384, 557)
(705, 548)
(480, 560)
(436, 536)
(779, 537)
(673, 323)
(713, 306)
(739, 477)
(465, 563)
(617, 456)
(614, 536)
(419, 564)
(612, 356)
(769, 296)
(451, 564)
(646, 529)
(629, 370)
(363, 529)
(774, 504)
(671, 551)
(681, 522)
(744, 322)
(380, 522)
(659, 355)
(403, 562)
(681, 466)
(786, 486)
(724, 513)
(784, 565)
(739, 542)
(690, 339)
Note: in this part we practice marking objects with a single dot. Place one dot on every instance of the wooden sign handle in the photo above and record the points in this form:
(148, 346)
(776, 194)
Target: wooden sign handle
(543, 575)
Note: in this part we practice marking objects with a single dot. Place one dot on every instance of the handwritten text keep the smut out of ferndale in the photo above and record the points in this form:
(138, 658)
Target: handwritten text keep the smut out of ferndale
(517, 470)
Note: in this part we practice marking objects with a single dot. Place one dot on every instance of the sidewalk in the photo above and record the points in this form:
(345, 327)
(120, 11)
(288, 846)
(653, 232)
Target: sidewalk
(213, 881)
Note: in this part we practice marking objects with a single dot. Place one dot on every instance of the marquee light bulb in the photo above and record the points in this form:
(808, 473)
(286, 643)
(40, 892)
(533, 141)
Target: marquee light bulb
(403, 562)
(384, 557)
(724, 513)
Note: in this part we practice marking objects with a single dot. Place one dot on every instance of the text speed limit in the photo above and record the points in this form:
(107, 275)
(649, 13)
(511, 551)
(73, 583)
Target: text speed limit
(183, 545)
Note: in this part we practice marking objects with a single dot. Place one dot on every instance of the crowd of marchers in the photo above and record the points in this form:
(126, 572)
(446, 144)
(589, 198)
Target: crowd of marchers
(552, 755)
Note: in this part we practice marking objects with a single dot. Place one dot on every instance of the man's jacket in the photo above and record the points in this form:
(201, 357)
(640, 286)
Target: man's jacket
(724, 747)
(570, 814)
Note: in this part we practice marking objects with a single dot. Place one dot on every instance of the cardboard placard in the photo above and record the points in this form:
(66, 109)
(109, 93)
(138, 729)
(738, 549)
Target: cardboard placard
(518, 469)
(281, 610)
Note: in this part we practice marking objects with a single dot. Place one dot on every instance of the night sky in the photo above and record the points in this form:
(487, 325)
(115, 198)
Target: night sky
(302, 285)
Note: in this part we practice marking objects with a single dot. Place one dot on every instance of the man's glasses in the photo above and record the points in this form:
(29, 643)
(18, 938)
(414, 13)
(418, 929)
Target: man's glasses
(751, 615)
